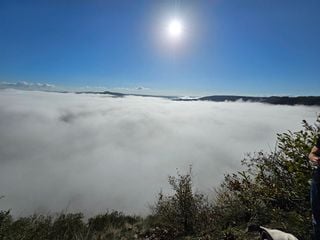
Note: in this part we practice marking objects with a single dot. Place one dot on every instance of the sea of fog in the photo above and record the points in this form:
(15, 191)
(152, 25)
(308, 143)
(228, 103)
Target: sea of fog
(89, 153)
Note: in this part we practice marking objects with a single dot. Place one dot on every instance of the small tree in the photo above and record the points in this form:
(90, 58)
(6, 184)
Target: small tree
(185, 211)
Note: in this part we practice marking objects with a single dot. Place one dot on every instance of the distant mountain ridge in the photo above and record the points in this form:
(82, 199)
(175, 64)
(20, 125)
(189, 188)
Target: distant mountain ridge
(117, 94)
(275, 100)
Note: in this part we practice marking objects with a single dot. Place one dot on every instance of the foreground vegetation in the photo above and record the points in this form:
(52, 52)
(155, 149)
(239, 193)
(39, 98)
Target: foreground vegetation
(272, 190)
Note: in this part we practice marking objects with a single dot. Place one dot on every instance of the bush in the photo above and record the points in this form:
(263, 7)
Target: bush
(68, 226)
(273, 189)
(185, 212)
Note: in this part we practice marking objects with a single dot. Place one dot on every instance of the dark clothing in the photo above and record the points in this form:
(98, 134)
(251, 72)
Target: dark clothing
(315, 199)
(315, 202)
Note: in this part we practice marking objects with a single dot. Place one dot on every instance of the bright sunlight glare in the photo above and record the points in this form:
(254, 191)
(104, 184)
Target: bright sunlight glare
(175, 28)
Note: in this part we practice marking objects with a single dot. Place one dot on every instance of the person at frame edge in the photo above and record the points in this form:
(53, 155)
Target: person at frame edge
(314, 158)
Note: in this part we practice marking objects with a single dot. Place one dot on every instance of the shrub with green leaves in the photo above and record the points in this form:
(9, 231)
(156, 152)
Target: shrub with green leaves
(273, 189)
(185, 212)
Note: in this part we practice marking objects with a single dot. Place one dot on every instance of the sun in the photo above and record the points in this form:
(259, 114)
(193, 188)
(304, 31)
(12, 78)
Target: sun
(175, 29)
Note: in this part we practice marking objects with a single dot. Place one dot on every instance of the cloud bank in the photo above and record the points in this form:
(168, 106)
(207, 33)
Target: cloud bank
(90, 153)
(27, 86)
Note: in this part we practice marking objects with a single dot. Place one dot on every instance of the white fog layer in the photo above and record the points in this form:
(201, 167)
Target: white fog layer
(90, 153)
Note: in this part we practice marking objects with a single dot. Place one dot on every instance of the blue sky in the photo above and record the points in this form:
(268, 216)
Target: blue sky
(250, 47)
